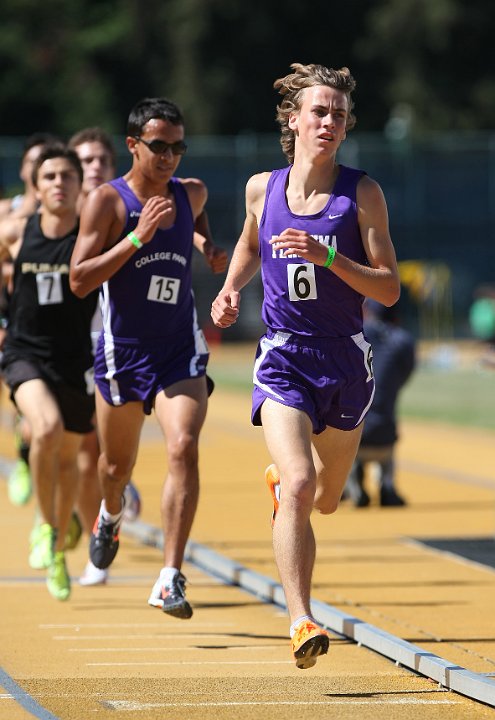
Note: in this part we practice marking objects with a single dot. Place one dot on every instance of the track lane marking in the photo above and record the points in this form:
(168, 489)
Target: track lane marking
(132, 705)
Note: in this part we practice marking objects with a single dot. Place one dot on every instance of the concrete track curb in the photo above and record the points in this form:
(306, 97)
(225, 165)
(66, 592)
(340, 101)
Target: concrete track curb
(453, 677)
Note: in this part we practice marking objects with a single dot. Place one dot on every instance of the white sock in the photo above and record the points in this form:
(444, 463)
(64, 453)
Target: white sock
(108, 517)
(301, 619)
(168, 573)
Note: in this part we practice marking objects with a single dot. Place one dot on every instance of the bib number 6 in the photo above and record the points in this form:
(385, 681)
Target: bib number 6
(301, 282)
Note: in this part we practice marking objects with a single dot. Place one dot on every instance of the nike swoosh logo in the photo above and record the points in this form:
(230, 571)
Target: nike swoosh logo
(346, 416)
(332, 217)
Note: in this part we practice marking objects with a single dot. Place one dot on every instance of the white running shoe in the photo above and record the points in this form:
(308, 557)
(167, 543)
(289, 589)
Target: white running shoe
(93, 575)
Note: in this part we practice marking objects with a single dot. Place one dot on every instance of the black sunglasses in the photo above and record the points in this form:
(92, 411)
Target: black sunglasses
(159, 147)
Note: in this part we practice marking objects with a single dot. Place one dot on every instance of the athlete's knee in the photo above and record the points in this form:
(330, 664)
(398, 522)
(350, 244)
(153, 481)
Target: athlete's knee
(116, 469)
(183, 449)
(299, 490)
(47, 434)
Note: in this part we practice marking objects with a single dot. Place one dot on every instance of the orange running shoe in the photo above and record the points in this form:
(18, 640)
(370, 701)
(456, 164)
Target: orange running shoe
(308, 642)
(272, 477)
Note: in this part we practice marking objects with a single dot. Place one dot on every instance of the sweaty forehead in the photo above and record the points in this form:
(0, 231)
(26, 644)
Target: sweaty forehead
(157, 129)
(92, 149)
(57, 165)
(325, 96)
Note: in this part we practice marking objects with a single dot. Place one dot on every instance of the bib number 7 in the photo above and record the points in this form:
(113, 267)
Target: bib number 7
(301, 281)
(49, 287)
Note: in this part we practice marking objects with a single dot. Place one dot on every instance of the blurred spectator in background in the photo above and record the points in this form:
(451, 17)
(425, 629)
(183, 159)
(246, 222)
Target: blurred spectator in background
(26, 203)
(98, 157)
(394, 360)
(482, 322)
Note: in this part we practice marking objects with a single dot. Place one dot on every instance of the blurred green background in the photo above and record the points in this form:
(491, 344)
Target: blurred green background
(421, 65)
(458, 397)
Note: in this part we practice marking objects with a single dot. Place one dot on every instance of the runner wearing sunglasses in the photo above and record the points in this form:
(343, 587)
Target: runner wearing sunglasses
(135, 243)
(159, 147)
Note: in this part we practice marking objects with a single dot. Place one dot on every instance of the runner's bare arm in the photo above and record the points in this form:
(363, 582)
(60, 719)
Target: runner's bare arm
(245, 260)
(11, 233)
(215, 257)
(97, 255)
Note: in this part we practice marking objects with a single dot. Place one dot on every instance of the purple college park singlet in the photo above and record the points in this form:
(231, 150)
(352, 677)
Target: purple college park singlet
(150, 337)
(151, 296)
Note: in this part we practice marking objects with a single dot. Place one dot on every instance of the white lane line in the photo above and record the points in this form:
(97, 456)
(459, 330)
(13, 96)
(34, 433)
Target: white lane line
(78, 626)
(170, 649)
(133, 705)
(161, 636)
(192, 662)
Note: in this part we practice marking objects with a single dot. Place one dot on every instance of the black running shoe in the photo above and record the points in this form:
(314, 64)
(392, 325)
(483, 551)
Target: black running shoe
(390, 498)
(104, 542)
(171, 597)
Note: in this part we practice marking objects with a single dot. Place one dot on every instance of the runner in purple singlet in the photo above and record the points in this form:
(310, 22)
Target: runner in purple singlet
(135, 243)
(320, 233)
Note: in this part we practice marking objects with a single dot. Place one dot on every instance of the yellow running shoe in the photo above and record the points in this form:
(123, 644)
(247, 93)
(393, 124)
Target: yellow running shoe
(73, 534)
(308, 642)
(58, 580)
(19, 485)
(272, 477)
(42, 544)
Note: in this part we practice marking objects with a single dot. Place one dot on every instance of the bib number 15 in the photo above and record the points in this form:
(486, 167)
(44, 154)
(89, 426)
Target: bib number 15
(164, 289)
(301, 281)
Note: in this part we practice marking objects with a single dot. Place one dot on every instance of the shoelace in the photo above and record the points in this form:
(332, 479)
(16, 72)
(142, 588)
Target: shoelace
(177, 586)
(180, 585)
(107, 531)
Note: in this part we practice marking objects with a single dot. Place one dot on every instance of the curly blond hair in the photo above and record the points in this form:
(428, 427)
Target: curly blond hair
(292, 87)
